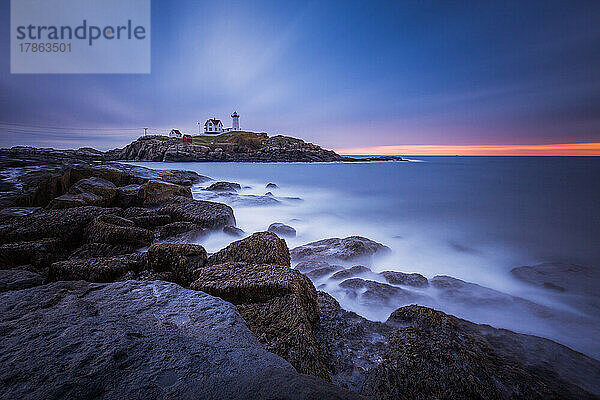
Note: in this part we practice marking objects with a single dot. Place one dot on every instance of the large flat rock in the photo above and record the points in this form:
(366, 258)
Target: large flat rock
(138, 340)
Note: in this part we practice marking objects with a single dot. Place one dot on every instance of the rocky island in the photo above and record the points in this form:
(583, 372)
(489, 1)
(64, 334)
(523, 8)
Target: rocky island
(232, 147)
(103, 295)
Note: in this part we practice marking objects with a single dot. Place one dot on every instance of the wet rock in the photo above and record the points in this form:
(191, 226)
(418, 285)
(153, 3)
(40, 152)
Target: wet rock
(19, 279)
(206, 214)
(250, 200)
(127, 196)
(323, 272)
(99, 187)
(72, 200)
(372, 292)
(402, 278)
(269, 194)
(456, 291)
(570, 278)
(233, 231)
(357, 270)
(224, 187)
(39, 253)
(179, 260)
(278, 303)
(115, 230)
(181, 232)
(150, 221)
(347, 249)
(239, 200)
(282, 229)
(434, 355)
(271, 185)
(184, 178)
(259, 248)
(67, 225)
(307, 266)
(349, 344)
(95, 250)
(101, 269)
(138, 340)
(158, 192)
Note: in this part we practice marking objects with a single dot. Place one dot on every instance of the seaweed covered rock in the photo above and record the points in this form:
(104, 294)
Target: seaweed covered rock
(357, 270)
(95, 250)
(224, 187)
(101, 188)
(178, 261)
(38, 253)
(156, 192)
(372, 292)
(323, 272)
(282, 229)
(279, 305)
(420, 353)
(259, 248)
(66, 225)
(206, 214)
(402, 278)
(138, 340)
(101, 269)
(352, 248)
(115, 230)
(181, 232)
(349, 344)
(435, 355)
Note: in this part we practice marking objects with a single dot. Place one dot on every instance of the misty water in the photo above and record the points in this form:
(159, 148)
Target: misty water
(472, 218)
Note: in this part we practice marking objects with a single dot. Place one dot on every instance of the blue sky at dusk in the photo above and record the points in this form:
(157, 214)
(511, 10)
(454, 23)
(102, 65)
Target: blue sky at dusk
(345, 74)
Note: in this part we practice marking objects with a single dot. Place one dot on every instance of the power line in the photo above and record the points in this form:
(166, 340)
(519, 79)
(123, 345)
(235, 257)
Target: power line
(28, 126)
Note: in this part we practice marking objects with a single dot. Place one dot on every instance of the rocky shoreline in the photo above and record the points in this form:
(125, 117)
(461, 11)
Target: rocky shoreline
(103, 296)
(243, 147)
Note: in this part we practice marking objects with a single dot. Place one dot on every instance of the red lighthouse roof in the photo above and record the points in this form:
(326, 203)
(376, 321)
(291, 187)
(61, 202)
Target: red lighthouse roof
(235, 114)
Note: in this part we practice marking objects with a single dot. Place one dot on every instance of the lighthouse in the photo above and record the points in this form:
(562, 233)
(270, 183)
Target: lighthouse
(235, 125)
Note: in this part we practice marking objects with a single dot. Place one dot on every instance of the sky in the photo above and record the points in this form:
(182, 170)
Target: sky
(361, 77)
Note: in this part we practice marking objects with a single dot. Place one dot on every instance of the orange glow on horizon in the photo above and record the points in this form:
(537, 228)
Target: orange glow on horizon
(560, 149)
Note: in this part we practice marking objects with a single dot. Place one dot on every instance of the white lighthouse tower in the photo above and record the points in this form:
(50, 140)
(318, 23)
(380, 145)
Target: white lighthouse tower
(235, 126)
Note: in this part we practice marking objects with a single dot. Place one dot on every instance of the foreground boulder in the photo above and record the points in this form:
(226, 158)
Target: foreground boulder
(279, 305)
(138, 340)
(19, 279)
(421, 353)
(259, 248)
(352, 248)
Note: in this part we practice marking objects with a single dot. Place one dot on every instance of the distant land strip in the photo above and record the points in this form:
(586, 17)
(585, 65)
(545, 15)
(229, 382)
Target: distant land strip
(557, 149)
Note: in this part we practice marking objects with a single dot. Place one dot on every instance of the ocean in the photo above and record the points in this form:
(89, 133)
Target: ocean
(472, 218)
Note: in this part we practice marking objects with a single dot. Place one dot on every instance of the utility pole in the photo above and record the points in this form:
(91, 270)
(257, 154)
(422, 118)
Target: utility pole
(145, 131)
